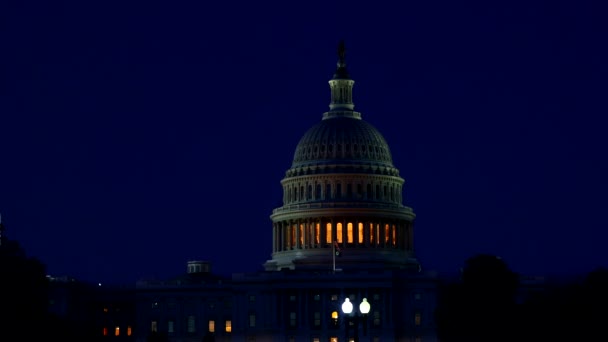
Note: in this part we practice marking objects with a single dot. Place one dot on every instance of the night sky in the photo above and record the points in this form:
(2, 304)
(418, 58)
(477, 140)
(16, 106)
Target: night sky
(135, 136)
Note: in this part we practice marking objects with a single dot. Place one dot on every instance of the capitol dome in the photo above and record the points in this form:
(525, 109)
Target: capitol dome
(341, 139)
(343, 192)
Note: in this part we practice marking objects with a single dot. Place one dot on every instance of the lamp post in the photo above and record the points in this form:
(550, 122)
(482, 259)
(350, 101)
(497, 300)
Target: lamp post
(354, 318)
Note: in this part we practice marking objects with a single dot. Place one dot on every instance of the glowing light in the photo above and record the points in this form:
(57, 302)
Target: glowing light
(364, 307)
(347, 306)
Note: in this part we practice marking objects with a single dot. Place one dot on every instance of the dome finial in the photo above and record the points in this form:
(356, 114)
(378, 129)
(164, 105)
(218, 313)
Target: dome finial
(341, 72)
(341, 54)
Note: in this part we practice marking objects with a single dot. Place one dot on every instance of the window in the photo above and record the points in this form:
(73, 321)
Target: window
(376, 318)
(328, 233)
(170, 326)
(129, 331)
(317, 319)
(349, 232)
(360, 229)
(316, 339)
(334, 318)
(228, 326)
(154, 326)
(417, 318)
(292, 319)
(292, 298)
(317, 297)
(211, 326)
(339, 232)
(252, 320)
(105, 331)
(251, 298)
(334, 297)
(317, 233)
(117, 331)
(191, 325)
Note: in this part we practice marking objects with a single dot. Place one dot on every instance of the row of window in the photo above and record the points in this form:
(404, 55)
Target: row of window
(117, 331)
(329, 191)
(314, 234)
(319, 150)
(191, 325)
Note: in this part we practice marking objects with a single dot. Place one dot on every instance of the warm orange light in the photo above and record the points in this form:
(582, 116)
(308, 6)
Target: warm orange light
(360, 232)
(386, 233)
(105, 331)
(129, 331)
(228, 326)
(334, 314)
(301, 234)
(117, 331)
(328, 233)
(349, 232)
(211, 326)
(339, 232)
(317, 233)
(371, 233)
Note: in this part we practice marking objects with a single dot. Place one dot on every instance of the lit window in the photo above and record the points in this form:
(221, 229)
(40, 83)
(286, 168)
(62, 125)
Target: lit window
(328, 233)
(333, 339)
(251, 320)
(386, 233)
(417, 318)
(105, 331)
(228, 326)
(154, 326)
(212, 326)
(301, 234)
(105, 309)
(317, 233)
(170, 326)
(117, 331)
(349, 232)
(129, 331)
(334, 297)
(360, 229)
(191, 325)
(339, 232)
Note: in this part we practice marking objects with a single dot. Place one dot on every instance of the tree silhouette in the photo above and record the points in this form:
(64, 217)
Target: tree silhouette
(481, 306)
(24, 293)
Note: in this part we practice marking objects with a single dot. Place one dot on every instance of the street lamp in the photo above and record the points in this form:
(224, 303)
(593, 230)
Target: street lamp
(353, 319)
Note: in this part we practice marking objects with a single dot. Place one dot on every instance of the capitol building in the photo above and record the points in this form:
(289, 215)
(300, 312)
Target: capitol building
(342, 237)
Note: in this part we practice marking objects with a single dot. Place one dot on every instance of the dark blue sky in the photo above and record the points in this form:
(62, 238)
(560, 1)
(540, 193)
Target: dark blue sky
(135, 136)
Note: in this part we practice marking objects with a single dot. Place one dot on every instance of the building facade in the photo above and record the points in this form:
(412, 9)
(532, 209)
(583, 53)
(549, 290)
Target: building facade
(342, 233)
